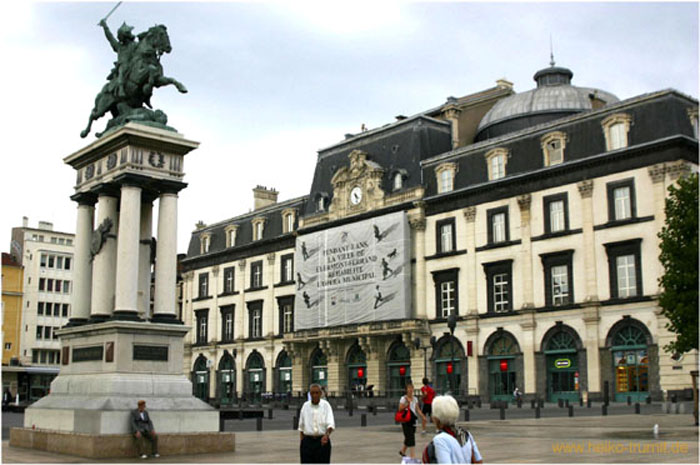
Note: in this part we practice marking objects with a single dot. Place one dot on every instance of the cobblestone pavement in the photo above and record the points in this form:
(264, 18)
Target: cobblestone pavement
(609, 439)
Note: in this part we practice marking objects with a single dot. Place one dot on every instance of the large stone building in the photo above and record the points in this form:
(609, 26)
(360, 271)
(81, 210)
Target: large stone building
(12, 281)
(500, 239)
(46, 257)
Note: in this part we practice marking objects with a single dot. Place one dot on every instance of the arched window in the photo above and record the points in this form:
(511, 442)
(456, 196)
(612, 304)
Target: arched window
(502, 372)
(357, 368)
(227, 379)
(319, 368)
(398, 181)
(399, 367)
(561, 356)
(200, 378)
(631, 363)
(449, 365)
(255, 374)
(284, 373)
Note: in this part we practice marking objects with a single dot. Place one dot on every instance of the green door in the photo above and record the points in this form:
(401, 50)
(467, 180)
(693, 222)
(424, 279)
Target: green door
(448, 379)
(227, 389)
(256, 379)
(501, 379)
(399, 367)
(285, 380)
(562, 377)
(201, 385)
(631, 364)
(319, 375)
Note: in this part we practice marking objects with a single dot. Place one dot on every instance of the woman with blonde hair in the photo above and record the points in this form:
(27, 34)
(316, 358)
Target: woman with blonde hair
(452, 444)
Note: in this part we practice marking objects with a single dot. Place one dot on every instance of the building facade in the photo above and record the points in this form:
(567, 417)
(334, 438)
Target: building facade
(524, 253)
(46, 257)
(12, 274)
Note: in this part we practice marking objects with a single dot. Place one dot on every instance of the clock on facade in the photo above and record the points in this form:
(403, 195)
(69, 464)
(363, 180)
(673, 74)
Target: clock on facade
(356, 195)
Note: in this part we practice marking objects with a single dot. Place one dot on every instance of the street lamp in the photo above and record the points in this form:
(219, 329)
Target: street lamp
(416, 344)
(452, 323)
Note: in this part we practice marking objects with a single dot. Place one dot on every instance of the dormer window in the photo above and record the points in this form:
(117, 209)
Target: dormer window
(288, 220)
(204, 243)
(445, 176)
(258, 228)
(398, 181)
(693, 115)
(616, 129)
(231, 231)
(553, 148)
(496, 160)
(321, 202)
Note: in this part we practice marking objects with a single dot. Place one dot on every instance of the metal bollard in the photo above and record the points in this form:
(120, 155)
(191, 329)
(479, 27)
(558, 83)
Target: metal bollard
(363, 419)
(269, 414)
(537, 411)
(258, 423)
(295, 423)
(571, 410)
(580, 401)
(221, 424)
(532, 403)
(588, 403)
(541, 403)
(240, 414)
(466, 415)
(605, 409)
(503, 413)
(636, 408)
(478, 402)
(629, 400)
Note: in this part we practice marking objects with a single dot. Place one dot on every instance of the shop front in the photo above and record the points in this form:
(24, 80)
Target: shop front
(563, 375)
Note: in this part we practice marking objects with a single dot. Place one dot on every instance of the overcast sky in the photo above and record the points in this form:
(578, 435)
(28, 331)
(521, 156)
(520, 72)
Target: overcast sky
(272, 83)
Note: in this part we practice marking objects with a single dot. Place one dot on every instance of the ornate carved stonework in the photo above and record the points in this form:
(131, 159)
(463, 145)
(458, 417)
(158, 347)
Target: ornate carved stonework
(470, 214)
(215, 270)
(656, 173)
(270, 258)
(585, 188)
(363, 179)
(417, 223)
(524, 202)
(677, 169)
(241, 264)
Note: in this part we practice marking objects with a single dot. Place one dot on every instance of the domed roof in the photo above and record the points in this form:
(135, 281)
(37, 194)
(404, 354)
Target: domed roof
(554, 97)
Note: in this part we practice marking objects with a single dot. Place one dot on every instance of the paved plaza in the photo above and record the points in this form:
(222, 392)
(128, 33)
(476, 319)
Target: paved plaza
(617, 438)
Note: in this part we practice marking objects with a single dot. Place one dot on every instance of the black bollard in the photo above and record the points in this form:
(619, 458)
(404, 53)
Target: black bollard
(532, 403)
(478, 402)
(567, 403)
(295, 423)
(571, 410)
(520, 402)
(588, 403)
(466, 415)
(269, 414)
(605, 410)
(503, 413)
(537, 411)
(258, 423)
(580, 401)
(606, 394)
(363, 419)
(541, 403)
(221, 424)
(636, 408)
(629, 400)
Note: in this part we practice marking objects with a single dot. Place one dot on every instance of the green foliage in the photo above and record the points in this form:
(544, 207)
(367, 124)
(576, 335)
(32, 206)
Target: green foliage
(679, 257)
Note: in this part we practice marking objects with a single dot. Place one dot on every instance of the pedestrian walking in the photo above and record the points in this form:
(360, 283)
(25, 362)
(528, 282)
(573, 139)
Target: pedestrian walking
(451, 444)
(316, 423)
(428, 394)
(410, 402)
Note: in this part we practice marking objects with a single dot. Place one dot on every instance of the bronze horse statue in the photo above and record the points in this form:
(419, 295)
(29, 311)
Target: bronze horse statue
(137, 72)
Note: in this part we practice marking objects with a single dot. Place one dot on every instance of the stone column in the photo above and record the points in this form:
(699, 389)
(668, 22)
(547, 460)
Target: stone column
(82, 263)
(529, 345)
(472, 271)
(241, 310)
(127, 285)
(270, 298)
(524, 202)
(418, 226)
(585, 188)
(591, 319)
(144, 301)
(165, 302)
(472, 330)
(215, 288)
(104, 263)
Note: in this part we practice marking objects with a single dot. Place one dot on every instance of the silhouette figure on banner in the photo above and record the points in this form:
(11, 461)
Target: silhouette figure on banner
(300, 282)
(386, 271)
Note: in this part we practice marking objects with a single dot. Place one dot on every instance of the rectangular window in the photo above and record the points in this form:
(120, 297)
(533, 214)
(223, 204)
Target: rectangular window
(556, 213)
(55, 336)
(446, 292)
(42, 356)
(621, 200)
(625, 268)
(229, 275)
(446, 240)
(499, 277)
(288, 318)
(66, 287)
(42, 284)
(40, 308)
(558, 278)
(8, 345)
(59, 262)
(287, 268)
(256, 280)
(555, 152)
(47, 332)
(498, 167)
(227, 323)
(35, 356)
(64, 312)
(61, 240)
(52, 357)
(52, 259)
(53, 240)
(69, 242)
(42, 260)
(618, 136)
(255, 319)
(446, 180)
(58, 285)
(56, 309)
(66, 263)
(204, 285)
(202, 316)
(39, 332)
(49, 285)
(498, 225)
(49, 307)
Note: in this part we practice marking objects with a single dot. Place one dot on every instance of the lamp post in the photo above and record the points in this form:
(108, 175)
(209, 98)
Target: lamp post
(452, 323)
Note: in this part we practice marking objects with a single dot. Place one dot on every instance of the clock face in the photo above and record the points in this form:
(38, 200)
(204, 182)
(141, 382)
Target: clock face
(356, 195)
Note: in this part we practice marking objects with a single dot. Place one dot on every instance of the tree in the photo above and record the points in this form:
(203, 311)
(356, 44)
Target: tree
(679, 257)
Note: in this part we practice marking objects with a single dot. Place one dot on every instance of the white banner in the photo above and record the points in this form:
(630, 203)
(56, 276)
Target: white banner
(355, 273)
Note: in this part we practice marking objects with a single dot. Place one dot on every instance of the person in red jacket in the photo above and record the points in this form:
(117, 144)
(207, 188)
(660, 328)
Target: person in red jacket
(428, 395)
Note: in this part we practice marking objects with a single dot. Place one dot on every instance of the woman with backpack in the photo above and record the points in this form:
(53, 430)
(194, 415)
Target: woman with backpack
(409, 403)
(451, 444)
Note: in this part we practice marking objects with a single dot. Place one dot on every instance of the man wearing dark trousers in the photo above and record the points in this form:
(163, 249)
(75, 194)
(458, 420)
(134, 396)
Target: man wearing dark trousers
(316, 423)
(142, 427)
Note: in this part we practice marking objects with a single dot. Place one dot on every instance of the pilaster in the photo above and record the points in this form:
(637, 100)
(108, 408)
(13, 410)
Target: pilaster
(529, 345)
(585, 189)
(472, 330)
(270, 300)
(470, 217)
(591, 318)
(524, 202)
(127, 282)
(417, 224)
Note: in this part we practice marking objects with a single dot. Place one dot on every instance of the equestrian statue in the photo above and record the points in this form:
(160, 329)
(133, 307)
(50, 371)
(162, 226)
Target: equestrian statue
(130, 83)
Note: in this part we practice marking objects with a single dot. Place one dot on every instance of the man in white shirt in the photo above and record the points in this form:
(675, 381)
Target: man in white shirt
(316, 424)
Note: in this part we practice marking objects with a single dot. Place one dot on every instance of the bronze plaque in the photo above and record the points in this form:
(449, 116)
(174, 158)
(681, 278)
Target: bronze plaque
(151, 353)
(88, 354)
(109, 352)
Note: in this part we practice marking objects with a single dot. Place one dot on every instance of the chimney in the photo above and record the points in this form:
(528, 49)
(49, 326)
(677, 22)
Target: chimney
(25, 222)
(503, 83)
(264, 197)
(46, 225)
